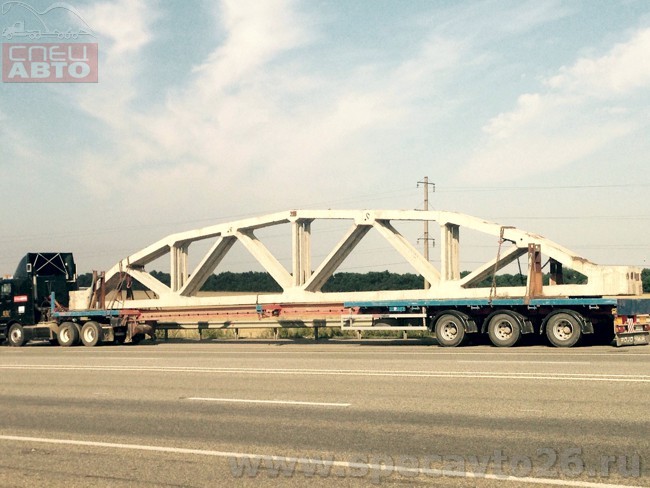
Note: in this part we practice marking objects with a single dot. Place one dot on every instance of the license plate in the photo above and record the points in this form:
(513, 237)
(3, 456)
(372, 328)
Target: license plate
(632, 339)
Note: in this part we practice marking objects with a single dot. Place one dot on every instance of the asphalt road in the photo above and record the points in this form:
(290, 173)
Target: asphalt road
(335, 413)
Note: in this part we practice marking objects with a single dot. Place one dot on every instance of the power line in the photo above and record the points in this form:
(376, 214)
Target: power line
(450, 189)
(576, 217)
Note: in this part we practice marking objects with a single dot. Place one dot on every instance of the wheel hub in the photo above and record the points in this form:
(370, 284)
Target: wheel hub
(563, 331)
(504, 330)
(449, 331)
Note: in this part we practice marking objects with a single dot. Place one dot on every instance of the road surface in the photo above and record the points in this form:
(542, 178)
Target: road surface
(343, 413)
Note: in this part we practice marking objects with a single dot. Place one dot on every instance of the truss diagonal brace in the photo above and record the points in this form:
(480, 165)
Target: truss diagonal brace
(207, 266)
(336, 257)
(408, 251)
(149, 281)
(265, 258)
(488, 268)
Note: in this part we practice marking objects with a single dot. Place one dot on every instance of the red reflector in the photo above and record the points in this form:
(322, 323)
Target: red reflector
(20, 298)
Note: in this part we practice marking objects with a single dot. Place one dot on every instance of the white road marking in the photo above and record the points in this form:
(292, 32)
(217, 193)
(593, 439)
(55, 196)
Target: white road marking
(275, 402)
(348, 372)
(507, 361)
(308, 461)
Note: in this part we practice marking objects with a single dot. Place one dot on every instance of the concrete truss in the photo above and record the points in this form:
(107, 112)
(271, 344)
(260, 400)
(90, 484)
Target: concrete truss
(304, 281)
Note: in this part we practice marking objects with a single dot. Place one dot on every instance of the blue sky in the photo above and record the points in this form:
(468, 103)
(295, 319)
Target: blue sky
(534, 114)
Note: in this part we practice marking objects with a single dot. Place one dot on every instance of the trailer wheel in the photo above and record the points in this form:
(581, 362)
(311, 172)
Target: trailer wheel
(137, 338)
(91, 334)
(68, 334)
(16, 336)
(504, 330)
(563, 329)
(450, 330)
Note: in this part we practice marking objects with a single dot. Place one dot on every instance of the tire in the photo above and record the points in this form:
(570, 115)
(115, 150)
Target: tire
(16, 336)
(504, 329)
(137, 338)
(68, 334)
(91, 334)
(450, 330)
(563, 329)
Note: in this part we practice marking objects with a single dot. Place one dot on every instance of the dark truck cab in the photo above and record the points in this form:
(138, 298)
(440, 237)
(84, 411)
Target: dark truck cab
(25, 297)
(35, 304)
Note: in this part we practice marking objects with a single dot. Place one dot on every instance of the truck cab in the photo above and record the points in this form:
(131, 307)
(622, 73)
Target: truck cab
(25, 297)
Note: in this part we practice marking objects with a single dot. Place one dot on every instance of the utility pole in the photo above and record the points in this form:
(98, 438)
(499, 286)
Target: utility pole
(425, 184)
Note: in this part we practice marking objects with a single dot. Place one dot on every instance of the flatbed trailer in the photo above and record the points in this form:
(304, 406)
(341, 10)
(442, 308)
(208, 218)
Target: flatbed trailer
(564, 321)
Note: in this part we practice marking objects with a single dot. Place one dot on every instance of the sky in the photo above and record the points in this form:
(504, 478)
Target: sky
(528, 113)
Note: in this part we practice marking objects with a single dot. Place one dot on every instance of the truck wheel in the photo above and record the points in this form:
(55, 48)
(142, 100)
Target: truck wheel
(16, 336)
(68, 334)
(137, 338)
(504, 330)
(450, 330)
(563, 330)
(91, 334)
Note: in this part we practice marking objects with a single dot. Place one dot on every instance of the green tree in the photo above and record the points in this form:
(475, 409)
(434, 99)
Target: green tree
(255, 281)
(645, 279)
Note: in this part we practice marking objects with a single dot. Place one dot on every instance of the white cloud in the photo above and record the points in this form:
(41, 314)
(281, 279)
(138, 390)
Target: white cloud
(256, 33)
(123, 28)
(624, 69)
(245, 117)
(16, 146)
(503, 126)
(123, 25)
(585, 107)
(528, 15)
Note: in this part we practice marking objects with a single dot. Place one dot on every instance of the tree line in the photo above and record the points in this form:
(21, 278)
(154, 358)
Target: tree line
(256, 281)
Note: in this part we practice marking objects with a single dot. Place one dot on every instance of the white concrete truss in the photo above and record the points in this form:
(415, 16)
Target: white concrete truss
(303, 282)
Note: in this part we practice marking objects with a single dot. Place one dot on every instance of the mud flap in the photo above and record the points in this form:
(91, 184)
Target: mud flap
(108, 333)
